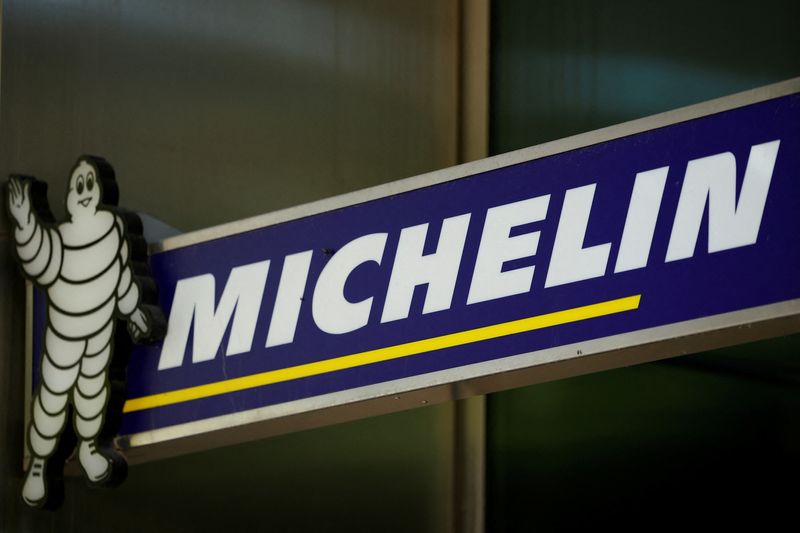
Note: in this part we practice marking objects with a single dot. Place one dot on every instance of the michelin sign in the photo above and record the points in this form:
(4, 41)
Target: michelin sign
(649, 239)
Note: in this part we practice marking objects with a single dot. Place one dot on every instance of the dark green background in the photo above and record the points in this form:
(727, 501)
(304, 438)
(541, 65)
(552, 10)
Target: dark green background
(704, 440)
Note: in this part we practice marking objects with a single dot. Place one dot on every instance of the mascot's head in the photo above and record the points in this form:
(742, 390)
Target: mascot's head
(91, 183)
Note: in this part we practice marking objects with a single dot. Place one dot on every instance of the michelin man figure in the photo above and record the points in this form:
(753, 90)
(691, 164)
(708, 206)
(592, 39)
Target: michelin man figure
(85, 265)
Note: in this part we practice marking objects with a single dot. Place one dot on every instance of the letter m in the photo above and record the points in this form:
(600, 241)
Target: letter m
(193, 309)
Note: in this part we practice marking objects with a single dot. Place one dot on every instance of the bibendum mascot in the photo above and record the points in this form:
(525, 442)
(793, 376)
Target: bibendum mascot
(92, 268)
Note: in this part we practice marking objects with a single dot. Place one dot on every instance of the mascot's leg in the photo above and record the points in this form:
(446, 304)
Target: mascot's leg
(90, 397)
(60, 369)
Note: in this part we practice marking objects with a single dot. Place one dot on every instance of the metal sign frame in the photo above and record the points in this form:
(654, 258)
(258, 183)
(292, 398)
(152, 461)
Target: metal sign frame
(480, 378)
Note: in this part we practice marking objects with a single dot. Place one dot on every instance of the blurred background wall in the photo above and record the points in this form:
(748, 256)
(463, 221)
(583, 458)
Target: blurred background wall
(703, 441)
(212, 112)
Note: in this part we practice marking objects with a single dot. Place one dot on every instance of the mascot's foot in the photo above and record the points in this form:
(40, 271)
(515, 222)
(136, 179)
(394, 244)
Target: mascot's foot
(95, 465)
(34, 491)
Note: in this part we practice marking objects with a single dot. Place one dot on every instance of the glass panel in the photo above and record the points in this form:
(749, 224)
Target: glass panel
(708, 439)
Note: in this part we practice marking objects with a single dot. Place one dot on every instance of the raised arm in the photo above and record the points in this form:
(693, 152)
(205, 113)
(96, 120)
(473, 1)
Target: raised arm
(39, 249)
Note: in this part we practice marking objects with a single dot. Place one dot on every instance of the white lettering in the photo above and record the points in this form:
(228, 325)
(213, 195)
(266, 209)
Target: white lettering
(193, 305)
(333, 313)
(287, 304)
(570, 261)
(713, 179)
(497, 247)
(438, 270)
(640, 224)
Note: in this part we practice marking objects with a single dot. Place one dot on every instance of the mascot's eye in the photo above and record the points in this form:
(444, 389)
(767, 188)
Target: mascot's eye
(80, 185)
(90, 181)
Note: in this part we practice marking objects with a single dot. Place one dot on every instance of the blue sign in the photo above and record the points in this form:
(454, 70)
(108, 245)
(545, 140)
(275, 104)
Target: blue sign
(463, 277)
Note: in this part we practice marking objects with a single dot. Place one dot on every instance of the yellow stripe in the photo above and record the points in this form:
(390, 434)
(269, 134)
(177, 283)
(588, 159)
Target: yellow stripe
(383, 354)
